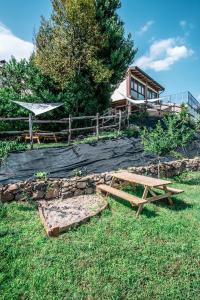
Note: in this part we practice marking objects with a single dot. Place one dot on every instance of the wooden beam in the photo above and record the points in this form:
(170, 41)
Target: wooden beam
(31, 130)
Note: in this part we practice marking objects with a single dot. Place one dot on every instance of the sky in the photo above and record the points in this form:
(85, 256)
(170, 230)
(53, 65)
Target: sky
(166, 34)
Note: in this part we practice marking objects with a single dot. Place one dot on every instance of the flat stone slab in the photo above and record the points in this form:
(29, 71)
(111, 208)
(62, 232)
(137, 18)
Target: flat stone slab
(60, 215)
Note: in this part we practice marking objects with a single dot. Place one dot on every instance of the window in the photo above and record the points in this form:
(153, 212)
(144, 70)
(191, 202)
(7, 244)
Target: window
(137, 89)
(151, 94)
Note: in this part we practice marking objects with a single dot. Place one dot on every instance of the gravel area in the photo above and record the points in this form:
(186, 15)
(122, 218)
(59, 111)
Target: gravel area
(64, 214)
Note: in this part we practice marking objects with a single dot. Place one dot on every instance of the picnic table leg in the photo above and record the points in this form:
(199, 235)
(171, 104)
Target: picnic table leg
(139, 210)
(169, 198)
(146, 190)
(112, 181)
(144, 196)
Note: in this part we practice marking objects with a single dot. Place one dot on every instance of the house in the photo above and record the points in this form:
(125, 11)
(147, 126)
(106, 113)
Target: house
(139, 90)
(138, 86)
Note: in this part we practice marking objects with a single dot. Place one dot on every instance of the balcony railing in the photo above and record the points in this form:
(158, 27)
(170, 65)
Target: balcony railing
(184, 97)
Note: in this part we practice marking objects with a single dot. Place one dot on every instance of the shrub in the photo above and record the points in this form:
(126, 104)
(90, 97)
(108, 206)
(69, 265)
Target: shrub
(9, 146)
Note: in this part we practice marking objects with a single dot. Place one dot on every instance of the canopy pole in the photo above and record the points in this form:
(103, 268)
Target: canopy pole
(31, 130)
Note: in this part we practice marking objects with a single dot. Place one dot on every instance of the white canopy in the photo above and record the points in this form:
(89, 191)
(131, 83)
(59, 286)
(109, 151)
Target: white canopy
(119, 92)
(139, 102)
(38, 108)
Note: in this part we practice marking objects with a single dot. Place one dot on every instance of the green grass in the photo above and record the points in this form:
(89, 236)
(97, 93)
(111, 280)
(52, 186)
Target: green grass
(115, 256)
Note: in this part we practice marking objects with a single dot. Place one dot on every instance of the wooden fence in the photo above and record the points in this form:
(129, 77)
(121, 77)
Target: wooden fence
(103, 122)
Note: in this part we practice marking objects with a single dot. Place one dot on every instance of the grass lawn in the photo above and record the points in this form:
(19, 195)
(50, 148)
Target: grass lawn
(115, 256)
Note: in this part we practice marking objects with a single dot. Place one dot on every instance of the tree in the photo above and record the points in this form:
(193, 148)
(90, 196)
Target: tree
(167, 137)
(83, 44)
(117, 51)
(26, 81)
(23, 81)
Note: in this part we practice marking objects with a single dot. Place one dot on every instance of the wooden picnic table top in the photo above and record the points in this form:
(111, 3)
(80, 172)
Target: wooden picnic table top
(140, 179)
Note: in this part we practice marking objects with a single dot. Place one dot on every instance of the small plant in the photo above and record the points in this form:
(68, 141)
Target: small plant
(41, 175)
(80, 172)
(132, 131)
(77, 172)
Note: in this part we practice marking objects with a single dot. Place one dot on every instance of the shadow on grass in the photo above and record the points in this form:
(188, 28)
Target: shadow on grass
(146, 211)
(177, 206)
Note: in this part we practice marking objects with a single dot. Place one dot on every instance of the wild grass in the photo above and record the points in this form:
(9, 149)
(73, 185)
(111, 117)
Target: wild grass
(114, 256)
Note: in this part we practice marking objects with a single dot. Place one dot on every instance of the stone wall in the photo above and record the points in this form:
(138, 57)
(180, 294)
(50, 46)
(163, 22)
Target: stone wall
(76, 186)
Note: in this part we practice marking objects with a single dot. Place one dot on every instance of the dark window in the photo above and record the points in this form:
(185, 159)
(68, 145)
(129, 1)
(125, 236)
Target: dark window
(151, 94)
(137, 89)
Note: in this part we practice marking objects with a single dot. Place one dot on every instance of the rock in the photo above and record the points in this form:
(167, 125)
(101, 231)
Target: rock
(68, 194)
(27, 189)
(79, 192)
(12, 188)
(20, 197)
(108, 178)
(65, 190)
(97, 178)
(7, 196)
(66, 184)
(54, 185)
(89, 191)
(102, 180)
(52, 193)
(40, 186)
(81, 184)
(38, 195)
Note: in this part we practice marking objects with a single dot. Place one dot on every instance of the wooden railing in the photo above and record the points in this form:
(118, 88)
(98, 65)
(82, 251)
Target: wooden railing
(101, 122)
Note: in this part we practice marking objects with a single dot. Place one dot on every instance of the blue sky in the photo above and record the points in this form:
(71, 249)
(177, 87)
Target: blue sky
(166, 34)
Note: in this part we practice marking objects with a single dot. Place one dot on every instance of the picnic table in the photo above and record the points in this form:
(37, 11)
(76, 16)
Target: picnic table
(149, 184)
(37, 136)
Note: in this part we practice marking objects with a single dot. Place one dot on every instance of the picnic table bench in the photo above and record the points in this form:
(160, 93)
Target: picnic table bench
(149, 184)
(37, 136)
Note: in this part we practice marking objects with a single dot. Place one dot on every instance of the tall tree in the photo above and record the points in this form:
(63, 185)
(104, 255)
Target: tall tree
(83, 44)
(117, 51)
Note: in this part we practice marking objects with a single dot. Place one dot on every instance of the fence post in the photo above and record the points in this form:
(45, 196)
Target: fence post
(120, 120)
(70, 127)
(97, 126)
(31, 130)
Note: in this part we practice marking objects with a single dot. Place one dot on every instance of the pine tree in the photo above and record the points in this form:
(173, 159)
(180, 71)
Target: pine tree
(117, 51)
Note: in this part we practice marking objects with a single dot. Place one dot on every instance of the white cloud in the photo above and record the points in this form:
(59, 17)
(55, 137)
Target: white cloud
(198, 97)
(12, 45)
(145, 28)
(163, 54)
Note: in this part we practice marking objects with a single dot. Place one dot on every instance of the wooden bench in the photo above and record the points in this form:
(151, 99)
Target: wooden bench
(170, 189)
(134, 200)
(35, 137)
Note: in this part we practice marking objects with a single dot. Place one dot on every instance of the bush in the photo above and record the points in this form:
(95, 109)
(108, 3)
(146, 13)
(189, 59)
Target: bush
(176, 131)
(9, 146)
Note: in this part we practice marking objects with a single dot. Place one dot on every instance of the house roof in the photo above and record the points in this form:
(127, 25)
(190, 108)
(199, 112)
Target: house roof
(145, 77)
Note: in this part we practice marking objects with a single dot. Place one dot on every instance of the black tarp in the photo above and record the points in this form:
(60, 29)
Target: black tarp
(103, 156)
